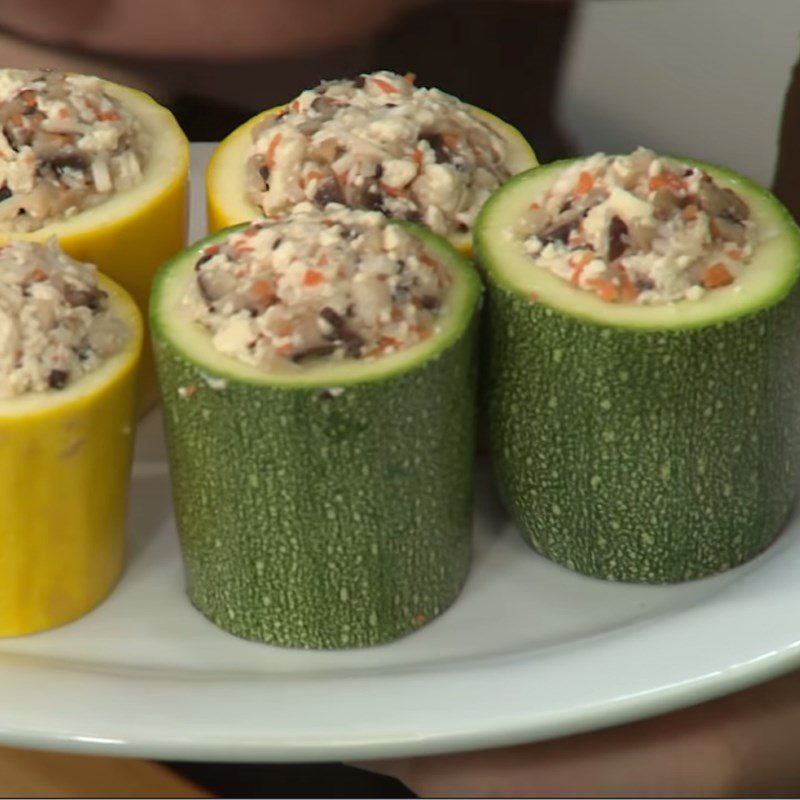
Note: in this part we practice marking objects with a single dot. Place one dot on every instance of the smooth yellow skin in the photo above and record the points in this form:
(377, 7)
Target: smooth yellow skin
(225, 177)
(130, 235)
(65, 461)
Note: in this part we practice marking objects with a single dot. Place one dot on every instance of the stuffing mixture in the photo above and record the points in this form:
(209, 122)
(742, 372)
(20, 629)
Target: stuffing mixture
(55, 325)
(380, 143)
(338, 284)
(65, 145)
(640, 228)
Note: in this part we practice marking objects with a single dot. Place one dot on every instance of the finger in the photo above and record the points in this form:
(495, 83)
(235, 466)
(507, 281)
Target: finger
(743, 743)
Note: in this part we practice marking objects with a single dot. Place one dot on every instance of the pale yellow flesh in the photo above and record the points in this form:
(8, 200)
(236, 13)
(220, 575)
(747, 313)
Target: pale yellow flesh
(65, 462)
(130, 235)
(229, 205)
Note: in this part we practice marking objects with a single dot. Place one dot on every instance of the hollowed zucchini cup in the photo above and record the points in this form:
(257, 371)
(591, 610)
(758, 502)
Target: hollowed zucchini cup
(331, 507)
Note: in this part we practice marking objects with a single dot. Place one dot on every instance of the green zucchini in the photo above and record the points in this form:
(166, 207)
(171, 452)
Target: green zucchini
(643, 443)
(331, 507)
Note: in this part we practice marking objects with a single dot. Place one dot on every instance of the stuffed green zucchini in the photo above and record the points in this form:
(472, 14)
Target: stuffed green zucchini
(318, 381)
(643, 388)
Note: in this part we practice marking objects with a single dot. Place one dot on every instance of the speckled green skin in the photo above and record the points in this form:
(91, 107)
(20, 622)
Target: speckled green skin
(645, 456)
(316, 521)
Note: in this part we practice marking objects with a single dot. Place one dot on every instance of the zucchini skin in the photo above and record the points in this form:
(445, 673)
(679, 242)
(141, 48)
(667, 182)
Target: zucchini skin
(319, 521)
(64, 482)
(645, 456)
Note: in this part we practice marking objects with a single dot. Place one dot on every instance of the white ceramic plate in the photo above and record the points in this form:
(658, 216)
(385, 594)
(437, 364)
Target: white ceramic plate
(529, 651)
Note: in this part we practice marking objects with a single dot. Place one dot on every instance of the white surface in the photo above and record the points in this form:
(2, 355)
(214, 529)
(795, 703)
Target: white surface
(702, 78)
(529, 651)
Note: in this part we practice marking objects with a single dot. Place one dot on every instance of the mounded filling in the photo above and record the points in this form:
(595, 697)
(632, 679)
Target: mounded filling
(54, 320)
(334, 284)
(640, 228)
(65, 145)
(378, 142)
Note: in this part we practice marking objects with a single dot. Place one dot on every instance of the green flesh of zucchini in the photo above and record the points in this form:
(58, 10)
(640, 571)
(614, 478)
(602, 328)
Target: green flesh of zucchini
(643, 443)
(330, 506)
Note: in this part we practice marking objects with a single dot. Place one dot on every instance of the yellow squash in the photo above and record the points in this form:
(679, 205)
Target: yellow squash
(65, 460)
(130, 235)
(228, 203)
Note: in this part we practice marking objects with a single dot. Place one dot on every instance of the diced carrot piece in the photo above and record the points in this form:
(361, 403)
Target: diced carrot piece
(273, 146)
(665, 179)
(734, 254)
(262, 288)
(108, 116)
(605, 288)
(342, 177)
(419, 157)
(39, 275)
(581, 260)
(392, 192)
(315, 174)
(690, 212)
(534, 207)
(450, 140)
(284, 349)
(385, 85)
(717, 275)
(578, 264)
(410, 77)
(295, 106)
(585, 183)
(628, 288)
(312, 277)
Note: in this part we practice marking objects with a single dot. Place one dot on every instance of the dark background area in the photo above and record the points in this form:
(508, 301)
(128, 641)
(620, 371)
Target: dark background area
(502, 56)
